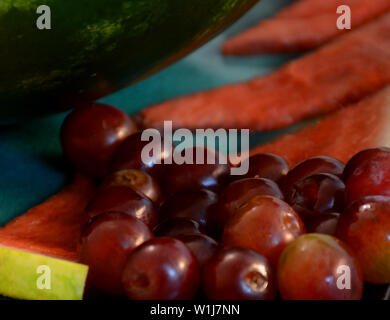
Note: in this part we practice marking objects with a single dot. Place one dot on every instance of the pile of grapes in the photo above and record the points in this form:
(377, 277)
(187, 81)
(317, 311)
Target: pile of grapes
(319, 230)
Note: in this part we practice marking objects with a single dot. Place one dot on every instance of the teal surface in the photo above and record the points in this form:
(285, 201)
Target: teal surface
(31, 163)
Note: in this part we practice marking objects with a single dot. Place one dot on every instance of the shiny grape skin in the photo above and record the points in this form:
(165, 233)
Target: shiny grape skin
(126, 200)
(365, 227)
(90, 136)
(239, 192)
(161, 269)
(317, 194)
(359, 158)
(238, 274)
(177, 226)
(308, 269)
(140, 181)
(198, 205)
(105, 244)
(195, 176)
(201, 245)
(266, 225)
(128, 156)
(370, 177)
(319, 164)
(268, 166)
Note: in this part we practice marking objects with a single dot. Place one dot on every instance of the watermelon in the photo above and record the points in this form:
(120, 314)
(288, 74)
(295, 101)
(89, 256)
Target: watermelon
(47, 235)
(307, 25)
(25, 275)
(304, 8)
(96, 47)
(354, 66)
(339, 135)
(52, 228)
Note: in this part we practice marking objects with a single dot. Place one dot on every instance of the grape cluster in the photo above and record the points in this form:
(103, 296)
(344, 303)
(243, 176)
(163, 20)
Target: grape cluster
(189, 231)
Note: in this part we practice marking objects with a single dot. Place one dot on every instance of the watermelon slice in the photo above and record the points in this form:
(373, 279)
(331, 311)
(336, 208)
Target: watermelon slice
(52, 228)
(356, 65)
(308, 8)
(307, 25)
(46, 237)
(339, 135)
(24, 275)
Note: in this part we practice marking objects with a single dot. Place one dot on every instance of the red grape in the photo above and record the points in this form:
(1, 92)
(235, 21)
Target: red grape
(238, 274)
(371, 176)
(265, 224)
(319, 267)
(90, 135)
(177, 226)
(365, 227)
(137, 180)
(361, 157)
(198, 205)
(129, 156)
(105, 244)
(320, 164)
(126, 200)
(161, 269)
(267, 166)
(237, 193)
(317, 194)
(202, 246)
(196, 176)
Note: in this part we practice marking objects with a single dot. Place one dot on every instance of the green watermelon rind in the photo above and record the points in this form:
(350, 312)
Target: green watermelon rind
(19, 276)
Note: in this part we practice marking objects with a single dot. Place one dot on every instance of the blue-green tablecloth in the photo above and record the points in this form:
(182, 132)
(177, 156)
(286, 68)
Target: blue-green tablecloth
(31, 163)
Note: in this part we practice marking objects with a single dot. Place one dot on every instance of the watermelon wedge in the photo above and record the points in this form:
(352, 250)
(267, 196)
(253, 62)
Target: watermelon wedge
(25, 275)
(44, 240)
(307, 25)
(52, 228)
(339, 135)
(356, 65)
(304, 8)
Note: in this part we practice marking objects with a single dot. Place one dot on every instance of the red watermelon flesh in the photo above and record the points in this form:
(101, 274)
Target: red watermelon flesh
(308, 8)
(340, 135)
(52, 228)
(356, 65)
(308, 25)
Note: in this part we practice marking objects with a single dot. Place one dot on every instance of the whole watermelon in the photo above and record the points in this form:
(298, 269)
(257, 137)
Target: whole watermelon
(95, 47)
